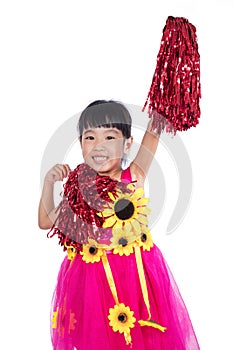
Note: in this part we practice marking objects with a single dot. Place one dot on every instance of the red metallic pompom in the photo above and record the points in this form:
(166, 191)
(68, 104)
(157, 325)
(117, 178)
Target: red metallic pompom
(85, 194)
(173, 99)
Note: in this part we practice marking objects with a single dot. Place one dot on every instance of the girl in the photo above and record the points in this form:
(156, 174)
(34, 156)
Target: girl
(114, 288)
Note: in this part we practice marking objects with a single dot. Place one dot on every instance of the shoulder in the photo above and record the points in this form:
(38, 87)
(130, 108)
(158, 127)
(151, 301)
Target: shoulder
(137, 173)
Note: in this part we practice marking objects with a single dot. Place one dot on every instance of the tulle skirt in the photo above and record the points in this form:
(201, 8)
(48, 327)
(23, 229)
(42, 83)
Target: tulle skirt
(82, 299)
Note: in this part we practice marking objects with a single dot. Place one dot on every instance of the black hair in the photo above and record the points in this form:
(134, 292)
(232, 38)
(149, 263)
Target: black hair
(108, 114)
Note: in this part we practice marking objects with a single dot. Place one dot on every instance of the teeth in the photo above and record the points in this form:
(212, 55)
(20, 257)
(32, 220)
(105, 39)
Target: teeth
(100, 158)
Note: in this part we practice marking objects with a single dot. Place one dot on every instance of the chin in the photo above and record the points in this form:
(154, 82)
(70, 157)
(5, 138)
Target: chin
(106, 167)
(99, 167)
(103, 168)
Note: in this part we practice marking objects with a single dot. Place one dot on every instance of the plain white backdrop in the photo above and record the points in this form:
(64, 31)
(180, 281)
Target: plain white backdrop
(56, 57)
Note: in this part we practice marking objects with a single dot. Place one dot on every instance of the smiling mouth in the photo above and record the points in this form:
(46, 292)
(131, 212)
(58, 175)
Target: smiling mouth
(99, 159)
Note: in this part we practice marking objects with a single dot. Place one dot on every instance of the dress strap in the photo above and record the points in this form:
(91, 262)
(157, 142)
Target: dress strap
(126, 175)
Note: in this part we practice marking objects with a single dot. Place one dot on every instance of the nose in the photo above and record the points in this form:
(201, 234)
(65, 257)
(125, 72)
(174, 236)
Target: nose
(99, 146)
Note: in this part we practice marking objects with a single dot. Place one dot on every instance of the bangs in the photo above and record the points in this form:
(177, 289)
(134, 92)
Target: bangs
(108, 114)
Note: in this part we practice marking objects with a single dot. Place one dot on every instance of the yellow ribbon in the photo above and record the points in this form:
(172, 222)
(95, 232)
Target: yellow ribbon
(109, 276)
(128, 338)
(112, 286)
(152, 324)
(142, 279)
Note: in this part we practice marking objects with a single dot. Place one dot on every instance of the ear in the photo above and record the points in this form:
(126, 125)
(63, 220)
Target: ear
(127, 144)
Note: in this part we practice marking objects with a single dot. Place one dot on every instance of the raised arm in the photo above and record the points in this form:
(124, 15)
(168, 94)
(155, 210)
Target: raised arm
(47, 212)
(146, 152)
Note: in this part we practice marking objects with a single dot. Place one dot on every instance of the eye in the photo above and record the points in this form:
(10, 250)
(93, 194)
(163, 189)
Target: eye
(89, 138)
(110, 137)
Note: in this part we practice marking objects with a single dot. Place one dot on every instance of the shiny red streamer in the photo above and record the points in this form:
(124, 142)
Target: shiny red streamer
(85, 194)
(173, 99)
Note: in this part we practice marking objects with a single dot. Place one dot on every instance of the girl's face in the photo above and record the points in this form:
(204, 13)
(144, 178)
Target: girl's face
(103, 149)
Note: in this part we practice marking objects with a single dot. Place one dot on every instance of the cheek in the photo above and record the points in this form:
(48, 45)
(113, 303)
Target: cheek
(86, 149)
(117, 148)
(121, 147)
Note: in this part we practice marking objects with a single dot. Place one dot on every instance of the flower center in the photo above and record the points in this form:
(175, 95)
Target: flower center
(122, 317)
(123, 241)
(124, 209)
(143, 237)
(93, 250)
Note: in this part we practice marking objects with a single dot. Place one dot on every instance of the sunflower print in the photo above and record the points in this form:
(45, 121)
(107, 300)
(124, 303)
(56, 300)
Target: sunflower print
(121, 320)
(71, 251)
(126, 210)
(123, 241)
(146, 240)
(91, 253)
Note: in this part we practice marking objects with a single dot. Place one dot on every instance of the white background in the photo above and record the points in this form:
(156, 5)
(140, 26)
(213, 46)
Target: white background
(56, 57)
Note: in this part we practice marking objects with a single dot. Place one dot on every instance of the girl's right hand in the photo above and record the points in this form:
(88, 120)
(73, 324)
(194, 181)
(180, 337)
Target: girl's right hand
(57, 173)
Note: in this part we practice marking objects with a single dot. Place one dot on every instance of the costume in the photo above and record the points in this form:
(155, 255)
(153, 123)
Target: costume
(114, 288)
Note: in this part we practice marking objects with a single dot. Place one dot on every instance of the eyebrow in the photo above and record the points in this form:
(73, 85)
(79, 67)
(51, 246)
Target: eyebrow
(105, 131)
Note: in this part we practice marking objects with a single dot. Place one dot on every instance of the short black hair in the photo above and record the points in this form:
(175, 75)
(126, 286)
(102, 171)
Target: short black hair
(108, 114)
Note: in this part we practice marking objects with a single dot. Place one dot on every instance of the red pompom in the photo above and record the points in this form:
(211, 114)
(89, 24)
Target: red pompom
(173, 99)
(85, 194)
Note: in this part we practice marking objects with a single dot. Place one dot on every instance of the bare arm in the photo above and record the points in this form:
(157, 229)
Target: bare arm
(47, 213)
(146, 152)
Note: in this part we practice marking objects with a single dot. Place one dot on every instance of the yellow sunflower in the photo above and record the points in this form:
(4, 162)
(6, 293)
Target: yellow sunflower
(121, 320)
(91, 253)
(126, 209)
(123, 241)
(71, 251)
(146, 240)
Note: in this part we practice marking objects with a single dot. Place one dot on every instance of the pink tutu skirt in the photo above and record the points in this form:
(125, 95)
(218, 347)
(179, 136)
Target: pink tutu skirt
(84, 296)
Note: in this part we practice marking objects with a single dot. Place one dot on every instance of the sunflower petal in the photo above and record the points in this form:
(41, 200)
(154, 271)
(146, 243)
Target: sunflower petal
(116, 231)
(143, 201)
(127, 227)
(119, 223)
(109, 222)
(138, 193)
(144, 210)
(136, 226)
(143, 219)
(107, 212)
(131, 187)
(111, 196)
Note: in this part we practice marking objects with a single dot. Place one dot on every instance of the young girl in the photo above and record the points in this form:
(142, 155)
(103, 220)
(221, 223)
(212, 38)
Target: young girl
(114, 288)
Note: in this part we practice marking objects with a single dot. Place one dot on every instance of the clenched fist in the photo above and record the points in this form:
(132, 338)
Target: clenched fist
(57, 173)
